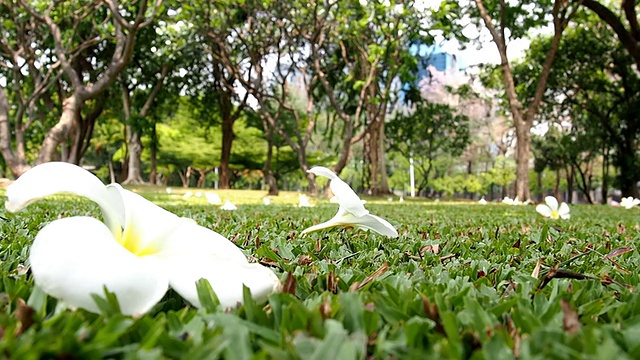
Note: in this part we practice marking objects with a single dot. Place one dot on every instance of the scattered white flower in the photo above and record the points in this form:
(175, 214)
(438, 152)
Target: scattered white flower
(169, 190)
(137, 253)
(482, 201)
(198, 194)
(552, 210)
(401, 199)
(187, 195)
(213, 198)
(228, 205)
(629, 202)
(507, 200)
(303, 201)
(351, 211)
(266, 200)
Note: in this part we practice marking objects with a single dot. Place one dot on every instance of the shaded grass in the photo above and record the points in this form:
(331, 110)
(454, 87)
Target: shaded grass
(456, 284)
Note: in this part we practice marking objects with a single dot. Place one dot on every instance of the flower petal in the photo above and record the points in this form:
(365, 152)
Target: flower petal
(75, 257)
(552, 202)
(543, 210)
(225, 276)
(563, 211)
(347, 198)
(146, 224)
(190, 239)
(60, 177)
(368, 221)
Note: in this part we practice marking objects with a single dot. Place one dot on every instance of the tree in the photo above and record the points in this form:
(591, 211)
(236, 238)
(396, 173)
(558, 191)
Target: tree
(90, 72)
(506, 22)
(359, 53)
(29, 74)
(601, 104)
(629, 33)
(426, 133)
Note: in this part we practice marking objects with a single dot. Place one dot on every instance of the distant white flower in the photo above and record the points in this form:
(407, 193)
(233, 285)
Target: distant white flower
(482, 201)
(266, 200)
(303, 201)
(507, 200)
(213, 198)
(169, 190)
(629, 202)
(351, 211)
(516, 201)
(228, 205)
(401, 199)
(187, 195)
(552, 210)
(198, 194)
(137, 253)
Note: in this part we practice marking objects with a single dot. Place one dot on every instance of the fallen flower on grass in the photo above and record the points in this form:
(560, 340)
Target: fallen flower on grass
(229, 206)
(137, 253)
(351, 211)
(629, 202)
(552, 210)
(303, 201)
(507, 200)
(213, 198)
(482, 201)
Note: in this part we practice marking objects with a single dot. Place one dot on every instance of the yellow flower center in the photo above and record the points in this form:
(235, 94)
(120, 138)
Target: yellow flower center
(132, 241)
(555, 215)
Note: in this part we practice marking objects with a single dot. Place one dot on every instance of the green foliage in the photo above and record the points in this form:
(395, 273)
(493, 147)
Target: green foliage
(457, 283)
(429, 132)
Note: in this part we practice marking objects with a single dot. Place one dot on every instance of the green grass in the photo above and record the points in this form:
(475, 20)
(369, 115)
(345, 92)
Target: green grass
(456, 284)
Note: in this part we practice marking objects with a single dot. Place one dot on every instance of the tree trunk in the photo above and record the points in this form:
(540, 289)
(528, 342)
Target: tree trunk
(605, 174)
(61, 131)
(225, 153)
(523, 150)
(570, 178)
(134, 175)
(17, 164)
(311, 179)
(269, 179)
(153, 174)
(384, 182)
(371, 140)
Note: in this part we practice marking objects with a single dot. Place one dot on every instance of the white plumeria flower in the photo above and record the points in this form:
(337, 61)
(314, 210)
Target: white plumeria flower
(303, 201)
(629, 202)
(507, 200)
(351, 211)
(137, 253)
(228, 205)
(551, 209)
(482, 201)
(266, 200)
(213, 198)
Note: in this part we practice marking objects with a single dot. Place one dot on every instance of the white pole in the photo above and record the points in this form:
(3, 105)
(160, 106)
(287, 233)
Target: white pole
(412, 178)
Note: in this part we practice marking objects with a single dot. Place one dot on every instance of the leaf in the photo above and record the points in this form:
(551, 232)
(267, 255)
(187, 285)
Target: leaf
(570, 321)
(289, 285)
(24, 314)
(206, 295)
(536, 270)
(618, 252)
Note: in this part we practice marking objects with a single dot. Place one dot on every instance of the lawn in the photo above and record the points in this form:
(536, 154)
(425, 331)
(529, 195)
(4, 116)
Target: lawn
(463, 280)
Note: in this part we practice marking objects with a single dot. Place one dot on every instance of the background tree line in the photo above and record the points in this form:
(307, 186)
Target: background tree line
(253, 93)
